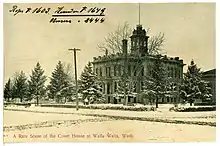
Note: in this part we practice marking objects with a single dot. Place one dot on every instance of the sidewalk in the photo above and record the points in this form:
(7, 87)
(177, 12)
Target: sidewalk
(198, 118)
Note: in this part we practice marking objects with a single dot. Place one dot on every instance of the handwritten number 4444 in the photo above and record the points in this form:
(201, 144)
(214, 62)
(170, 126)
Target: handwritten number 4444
(90, 20)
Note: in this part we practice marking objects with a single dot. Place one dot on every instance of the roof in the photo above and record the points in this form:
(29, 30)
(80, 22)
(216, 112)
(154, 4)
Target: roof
(212, 71)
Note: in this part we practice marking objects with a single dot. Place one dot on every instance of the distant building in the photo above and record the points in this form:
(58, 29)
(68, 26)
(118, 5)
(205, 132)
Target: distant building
(109, 68)
(210, 76)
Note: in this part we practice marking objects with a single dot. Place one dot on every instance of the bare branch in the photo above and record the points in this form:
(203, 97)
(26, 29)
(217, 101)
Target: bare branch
(155, 44)
(113, 42)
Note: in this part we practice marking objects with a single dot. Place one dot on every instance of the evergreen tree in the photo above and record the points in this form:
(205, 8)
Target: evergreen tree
(156, 85)
(148, 91)
(7, 90)
(172, 89)
(20, 86)
(193, 86)
(69, 91)
(89, 88)
(37, 83)
(59, 84)
(125, 88)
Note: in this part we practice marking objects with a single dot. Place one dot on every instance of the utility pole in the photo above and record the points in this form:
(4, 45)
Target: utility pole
(74, 56)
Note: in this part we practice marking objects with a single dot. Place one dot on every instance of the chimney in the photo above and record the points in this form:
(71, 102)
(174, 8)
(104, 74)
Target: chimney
(106, 52)
(125, 54)
(125, 47)
(146, 42)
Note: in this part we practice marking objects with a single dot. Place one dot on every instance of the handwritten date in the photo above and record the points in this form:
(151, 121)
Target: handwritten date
(15, 10)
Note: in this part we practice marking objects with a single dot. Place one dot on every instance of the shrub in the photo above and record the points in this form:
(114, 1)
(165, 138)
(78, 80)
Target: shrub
(205, 104)
(193, 109)
(103, 107)
(18, 104)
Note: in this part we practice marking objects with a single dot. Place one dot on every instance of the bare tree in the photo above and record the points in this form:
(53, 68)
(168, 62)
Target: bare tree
(113, 42)
(155, 44)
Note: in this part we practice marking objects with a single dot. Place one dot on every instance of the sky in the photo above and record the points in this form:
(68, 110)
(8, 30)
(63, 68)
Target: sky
(189, 30)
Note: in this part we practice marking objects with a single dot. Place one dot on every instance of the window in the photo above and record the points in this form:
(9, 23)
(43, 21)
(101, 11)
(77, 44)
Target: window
(134, 69)
(145, 44)
(109, 71)
(135, 100)
(103, 88)
(168, 99)
(135, 87)
(100, 71)
(115, 86)
(132, 43)
(106, 71)
(119, 70)
(169, 72)
(174, 99)
(175, 73)
(142, 71)
(96, 71)
(172, 72)
(142, 85)
(129, 70)
(108, 88)
(115, 70)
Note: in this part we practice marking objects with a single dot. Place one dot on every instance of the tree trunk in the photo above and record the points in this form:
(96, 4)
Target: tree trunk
(37, 99)
(21, 99)
(65, 99)
(157, 102)
(190, 103)
(126, 100)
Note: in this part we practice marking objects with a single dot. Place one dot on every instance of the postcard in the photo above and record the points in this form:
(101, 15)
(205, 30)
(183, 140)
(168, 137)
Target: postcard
(109, 72)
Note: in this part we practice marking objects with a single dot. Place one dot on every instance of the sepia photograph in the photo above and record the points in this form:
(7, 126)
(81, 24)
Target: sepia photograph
(109, 72)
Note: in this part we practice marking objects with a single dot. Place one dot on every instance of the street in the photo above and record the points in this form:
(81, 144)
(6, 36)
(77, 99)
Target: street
(47, 127)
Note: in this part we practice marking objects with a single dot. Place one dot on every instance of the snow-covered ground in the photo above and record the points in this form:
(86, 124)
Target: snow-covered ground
(160, 113)
(67, 121)
(107, 129)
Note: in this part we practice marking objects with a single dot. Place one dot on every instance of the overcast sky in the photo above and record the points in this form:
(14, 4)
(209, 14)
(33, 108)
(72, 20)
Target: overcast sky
(189, 31)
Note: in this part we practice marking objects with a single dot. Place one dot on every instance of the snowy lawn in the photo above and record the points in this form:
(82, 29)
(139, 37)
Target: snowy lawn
(116, 131)
(209, 116)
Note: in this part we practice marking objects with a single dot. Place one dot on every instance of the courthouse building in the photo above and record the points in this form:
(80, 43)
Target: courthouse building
(110, 68)
(210, 76)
